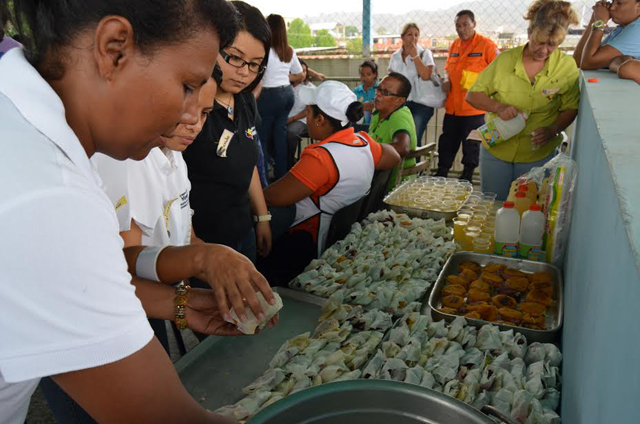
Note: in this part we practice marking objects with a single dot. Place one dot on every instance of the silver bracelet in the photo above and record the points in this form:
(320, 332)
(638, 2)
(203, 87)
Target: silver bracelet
(146, 264)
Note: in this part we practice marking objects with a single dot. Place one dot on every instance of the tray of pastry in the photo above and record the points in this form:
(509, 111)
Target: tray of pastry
(512, 293)
(429, 197)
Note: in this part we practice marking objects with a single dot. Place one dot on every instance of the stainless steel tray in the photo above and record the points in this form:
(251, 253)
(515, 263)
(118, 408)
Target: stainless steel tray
(554, 317)
(417, 212)
(216, 370)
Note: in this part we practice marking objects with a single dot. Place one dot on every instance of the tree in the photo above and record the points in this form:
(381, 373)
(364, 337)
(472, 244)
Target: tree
(381, 31)
(299, 34)
(351, 31)
(324, 39)
(354, 45)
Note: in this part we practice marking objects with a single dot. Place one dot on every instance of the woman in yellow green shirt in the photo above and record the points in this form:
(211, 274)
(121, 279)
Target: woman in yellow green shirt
(536, 79)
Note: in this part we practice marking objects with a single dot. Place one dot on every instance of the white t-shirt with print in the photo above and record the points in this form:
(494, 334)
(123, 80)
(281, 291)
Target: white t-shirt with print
(154, 192)
(67, 301)
(277, 72)
(408, 67)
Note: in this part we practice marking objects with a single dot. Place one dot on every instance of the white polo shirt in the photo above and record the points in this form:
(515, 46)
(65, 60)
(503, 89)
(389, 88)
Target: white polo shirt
(67, 302)
(277, 72)
(408, 67)
(154, 192)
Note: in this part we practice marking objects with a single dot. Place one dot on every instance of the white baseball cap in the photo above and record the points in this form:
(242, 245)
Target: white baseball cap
(332, 97)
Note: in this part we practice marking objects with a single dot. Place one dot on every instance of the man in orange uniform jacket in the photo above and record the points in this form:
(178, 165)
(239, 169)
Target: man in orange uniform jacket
(468, 56)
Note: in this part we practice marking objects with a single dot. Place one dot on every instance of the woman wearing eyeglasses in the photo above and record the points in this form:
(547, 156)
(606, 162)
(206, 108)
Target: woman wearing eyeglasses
(277, 97)
(226, 193)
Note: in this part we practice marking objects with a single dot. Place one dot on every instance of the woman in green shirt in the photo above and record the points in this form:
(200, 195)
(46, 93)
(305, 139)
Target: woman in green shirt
(536, 79)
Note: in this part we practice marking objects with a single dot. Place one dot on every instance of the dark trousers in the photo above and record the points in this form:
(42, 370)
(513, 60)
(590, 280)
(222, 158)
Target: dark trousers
(421, 116)
(291, 252)
(274, 105)
(294, 137)
(455, 131)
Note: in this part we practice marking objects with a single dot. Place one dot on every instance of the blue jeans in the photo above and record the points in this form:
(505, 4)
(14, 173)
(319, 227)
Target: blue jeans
(496, 175)
(262, 166)
(274, 105)
(421, 116)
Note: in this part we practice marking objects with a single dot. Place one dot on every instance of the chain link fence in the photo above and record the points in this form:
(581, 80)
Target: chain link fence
(501, 20)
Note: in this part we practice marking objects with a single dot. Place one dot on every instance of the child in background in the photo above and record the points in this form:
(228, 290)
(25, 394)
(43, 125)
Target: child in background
(365, 92)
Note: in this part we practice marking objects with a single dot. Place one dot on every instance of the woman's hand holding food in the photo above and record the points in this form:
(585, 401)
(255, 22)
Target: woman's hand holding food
(234, 280)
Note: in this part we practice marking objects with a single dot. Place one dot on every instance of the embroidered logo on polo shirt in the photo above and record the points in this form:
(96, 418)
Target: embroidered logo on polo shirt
(549, 93)
(123, 201)
(184, 199)
(251, 132)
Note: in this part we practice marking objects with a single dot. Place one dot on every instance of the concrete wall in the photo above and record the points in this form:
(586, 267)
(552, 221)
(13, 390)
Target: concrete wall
(348, 67)
(601, 343)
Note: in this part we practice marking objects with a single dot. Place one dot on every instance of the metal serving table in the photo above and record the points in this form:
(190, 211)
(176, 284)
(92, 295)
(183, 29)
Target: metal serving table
(216, 371)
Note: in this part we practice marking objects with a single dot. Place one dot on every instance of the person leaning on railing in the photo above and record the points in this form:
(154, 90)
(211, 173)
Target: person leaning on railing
(537, 79)
(594, 53)
(627, 67)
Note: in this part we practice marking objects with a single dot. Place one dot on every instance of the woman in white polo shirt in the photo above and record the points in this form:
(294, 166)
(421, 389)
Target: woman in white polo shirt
(277, 97)
(110, 76)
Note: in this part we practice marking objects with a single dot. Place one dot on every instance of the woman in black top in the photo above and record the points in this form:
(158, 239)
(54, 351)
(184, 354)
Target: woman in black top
(226, 194)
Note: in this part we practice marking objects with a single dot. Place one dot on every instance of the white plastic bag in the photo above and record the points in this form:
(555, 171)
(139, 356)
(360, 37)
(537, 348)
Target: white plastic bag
(430, 92)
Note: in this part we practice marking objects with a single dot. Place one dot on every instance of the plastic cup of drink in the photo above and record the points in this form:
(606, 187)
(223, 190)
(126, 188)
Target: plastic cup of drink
(449, 206)
(458, 230)
(481, 246)
(487, 195)
(489, 226)
(480, 208)
(470, 234)
(463, 216)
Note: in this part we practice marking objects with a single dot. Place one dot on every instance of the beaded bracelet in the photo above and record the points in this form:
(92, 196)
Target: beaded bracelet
(181, 305)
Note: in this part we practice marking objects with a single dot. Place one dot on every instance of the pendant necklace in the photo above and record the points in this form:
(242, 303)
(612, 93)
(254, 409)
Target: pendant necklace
(227, 105)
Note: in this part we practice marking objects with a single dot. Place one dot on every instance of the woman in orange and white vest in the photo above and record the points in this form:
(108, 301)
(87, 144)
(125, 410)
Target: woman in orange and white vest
(331, 174)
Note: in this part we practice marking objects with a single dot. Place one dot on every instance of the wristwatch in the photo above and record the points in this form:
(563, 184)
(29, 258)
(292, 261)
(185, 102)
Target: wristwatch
(599, 25)
(262, 218)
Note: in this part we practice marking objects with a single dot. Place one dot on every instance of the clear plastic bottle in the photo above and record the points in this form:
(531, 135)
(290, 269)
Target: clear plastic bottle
(497, 131)
(507, 231)
(531, 233)
(522, 202)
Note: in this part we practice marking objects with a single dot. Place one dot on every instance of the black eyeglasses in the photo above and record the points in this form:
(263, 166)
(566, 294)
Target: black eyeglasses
(385, 93)
(238, 62)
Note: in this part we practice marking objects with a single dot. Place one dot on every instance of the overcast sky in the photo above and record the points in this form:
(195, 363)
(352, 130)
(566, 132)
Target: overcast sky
(295, 8)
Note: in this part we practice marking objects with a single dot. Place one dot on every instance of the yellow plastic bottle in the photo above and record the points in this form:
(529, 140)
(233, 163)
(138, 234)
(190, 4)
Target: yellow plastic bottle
(522, 202)
(512, 191)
